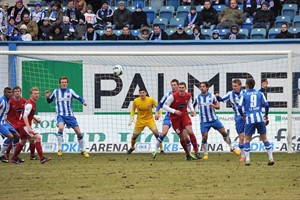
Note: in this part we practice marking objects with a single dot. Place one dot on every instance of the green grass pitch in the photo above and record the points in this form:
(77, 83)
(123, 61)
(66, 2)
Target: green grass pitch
(138, 176)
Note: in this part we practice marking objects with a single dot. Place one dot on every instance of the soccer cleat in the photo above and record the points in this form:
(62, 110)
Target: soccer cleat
(205, 157)
(198, 155)
(247, 163)
(154, 154)
(4, 159)
(162, 152)
(85, 154)
(59, 153)
(235, 152)
(33, 158)
(130, 151)
(271, 162)
(45, 160)
(14, 161)
(20, 160)
(189, 157)
(243, 159)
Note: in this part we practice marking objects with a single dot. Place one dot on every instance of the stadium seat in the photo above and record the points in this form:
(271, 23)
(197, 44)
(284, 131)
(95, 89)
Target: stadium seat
(241, 7)
(170, 31)
(189, 31)
(199, 8)
(166, 12)
(282, 19)
(273, 32)
(244, 32)
(117, 32)
(289, 10)
(151, 13)
(135, 33)
(223, 32)
(258, 33)
(162, 22)
(174, 22)
(100, 32)
(182, 11)
(174, 3)
(131, 8)
(247, 24)
(294, 30)
(135, 2)
(296, 22)
(207, 33)
(219, 7)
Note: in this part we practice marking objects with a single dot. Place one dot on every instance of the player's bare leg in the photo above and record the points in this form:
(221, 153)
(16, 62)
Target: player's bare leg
(226, 138)
(81, 142)
(268, 147)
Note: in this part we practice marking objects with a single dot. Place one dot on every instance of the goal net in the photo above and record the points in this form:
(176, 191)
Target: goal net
(109, 97)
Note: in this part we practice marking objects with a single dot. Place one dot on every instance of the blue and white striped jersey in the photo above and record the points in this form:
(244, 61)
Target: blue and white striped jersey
(206, 111)
(162, 102)
(234, 99)
(4, 108)
(63, 101)
(252, 102)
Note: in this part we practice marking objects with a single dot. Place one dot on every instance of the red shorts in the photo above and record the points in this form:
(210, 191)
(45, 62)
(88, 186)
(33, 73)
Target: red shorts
(180, 123)
(24, 133)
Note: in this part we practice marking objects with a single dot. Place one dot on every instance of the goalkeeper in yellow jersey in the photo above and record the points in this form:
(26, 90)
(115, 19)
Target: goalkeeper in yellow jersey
(144, 105)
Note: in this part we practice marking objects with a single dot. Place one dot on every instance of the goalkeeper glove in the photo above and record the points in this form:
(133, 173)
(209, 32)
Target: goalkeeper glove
(131, 120)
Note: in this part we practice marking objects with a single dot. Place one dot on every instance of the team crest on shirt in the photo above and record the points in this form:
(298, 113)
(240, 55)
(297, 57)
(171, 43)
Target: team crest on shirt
(68, 95)
(149, 106)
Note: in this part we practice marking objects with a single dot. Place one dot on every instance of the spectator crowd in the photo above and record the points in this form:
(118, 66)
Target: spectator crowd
(93, 20)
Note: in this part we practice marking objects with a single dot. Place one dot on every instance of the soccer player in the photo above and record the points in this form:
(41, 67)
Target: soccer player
(26, 131)
(207, 103)
(17, 103)
(144, 105)
(177, 104)
(250, 107)
(234, 98)
(166, 121)
(6, 129)
(63, 104)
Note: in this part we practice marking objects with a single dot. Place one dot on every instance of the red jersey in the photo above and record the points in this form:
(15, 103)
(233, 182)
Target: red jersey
(180, 103)
(29, 109)
(15, 110)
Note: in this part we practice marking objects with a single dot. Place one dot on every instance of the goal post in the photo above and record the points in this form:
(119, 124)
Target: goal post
(109, 97)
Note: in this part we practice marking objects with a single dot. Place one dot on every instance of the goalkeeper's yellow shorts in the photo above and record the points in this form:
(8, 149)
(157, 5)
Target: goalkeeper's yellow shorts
(141, 124)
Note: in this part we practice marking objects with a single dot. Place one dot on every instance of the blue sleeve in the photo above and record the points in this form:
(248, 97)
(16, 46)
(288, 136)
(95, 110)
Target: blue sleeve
(220, 99)
(195, 102)
(76, 96)
(162, 102)
(266, 104)
(224, 98)
(51, 98)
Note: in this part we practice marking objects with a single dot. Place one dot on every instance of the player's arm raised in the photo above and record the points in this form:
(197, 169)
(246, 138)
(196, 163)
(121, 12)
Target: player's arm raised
(79, 98)
(49, 97)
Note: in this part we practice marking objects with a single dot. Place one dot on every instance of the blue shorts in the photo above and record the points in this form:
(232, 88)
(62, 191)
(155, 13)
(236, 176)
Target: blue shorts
(167, 121)
(239, 124)
(205, 126)
(70, 121)
(6, 129)
(260, 126)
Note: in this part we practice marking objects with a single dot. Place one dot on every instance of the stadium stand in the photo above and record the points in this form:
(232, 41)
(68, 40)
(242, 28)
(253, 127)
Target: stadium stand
(258, 33)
